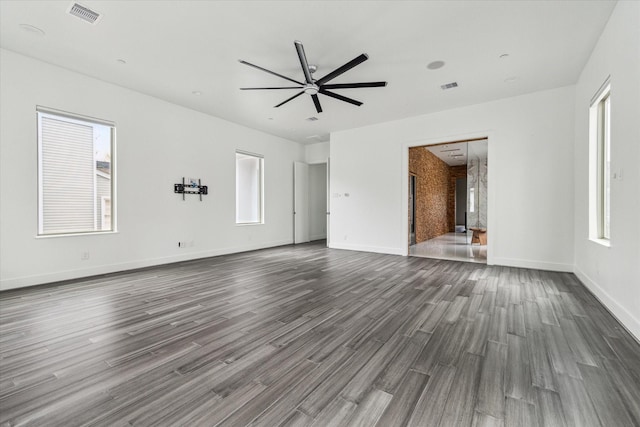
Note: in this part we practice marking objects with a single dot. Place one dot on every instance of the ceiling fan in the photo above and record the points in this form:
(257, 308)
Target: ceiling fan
(312, 86)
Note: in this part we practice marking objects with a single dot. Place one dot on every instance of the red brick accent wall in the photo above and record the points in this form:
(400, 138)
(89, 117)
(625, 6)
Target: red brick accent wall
(455, 172)
(432, 193)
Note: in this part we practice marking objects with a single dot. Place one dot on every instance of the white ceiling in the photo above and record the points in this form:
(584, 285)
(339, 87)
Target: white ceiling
(173, 48)
(458, 153)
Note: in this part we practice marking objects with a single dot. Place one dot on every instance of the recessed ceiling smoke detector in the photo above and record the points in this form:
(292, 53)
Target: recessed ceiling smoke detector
(84, 13)
(449, 85)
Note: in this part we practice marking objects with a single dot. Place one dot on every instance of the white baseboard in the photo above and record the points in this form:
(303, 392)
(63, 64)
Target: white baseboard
(627, 319)
(25, 281)
(537, 265)
(364, 248)
(317, 237)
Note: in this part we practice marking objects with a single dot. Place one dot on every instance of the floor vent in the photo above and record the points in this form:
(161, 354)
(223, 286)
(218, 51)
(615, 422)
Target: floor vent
(449, 85)
(84, 13)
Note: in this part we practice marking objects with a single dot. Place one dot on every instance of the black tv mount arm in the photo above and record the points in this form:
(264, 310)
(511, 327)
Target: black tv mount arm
(191, 189)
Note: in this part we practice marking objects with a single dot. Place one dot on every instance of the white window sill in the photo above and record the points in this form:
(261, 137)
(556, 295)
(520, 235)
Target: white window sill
(604, 242)
(244, 224)
(89, 233)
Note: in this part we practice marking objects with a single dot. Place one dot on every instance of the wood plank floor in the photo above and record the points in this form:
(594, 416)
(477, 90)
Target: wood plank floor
(309, 336)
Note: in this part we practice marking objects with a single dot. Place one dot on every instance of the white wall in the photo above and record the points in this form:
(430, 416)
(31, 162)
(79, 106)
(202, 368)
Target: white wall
(613, 273)
(530, 178)
(318, 201)
(157, 144)
(317, 153)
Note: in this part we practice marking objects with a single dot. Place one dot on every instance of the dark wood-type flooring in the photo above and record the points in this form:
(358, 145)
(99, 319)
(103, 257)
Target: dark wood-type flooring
(304, 335)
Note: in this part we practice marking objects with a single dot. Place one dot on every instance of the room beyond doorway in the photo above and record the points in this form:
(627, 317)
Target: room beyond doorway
(448, 200)
(450, 246)
(311, 202)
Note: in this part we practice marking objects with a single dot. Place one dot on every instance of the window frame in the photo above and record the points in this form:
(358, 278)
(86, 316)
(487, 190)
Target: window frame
(600, 168)
(82, 120)
(260, 193)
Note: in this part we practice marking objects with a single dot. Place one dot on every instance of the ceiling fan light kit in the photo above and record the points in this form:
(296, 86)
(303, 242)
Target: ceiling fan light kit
(312, 86)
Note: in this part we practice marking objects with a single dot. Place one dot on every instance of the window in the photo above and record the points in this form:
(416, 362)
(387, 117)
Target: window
(600, 168)
(75, 174)
(249, 188)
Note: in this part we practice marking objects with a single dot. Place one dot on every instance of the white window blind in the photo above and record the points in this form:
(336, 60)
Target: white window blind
(249, 201)
(74, 175)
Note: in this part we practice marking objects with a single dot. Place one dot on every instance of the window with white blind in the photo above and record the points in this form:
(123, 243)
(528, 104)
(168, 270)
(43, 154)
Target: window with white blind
(75, 174)
(600, 165)
(249, 189)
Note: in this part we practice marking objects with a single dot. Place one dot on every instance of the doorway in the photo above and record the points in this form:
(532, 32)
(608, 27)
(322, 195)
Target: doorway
(448, 201)
(311, 198)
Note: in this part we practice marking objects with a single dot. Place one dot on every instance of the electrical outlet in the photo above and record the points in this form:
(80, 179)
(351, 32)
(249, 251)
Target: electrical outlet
(84, 255)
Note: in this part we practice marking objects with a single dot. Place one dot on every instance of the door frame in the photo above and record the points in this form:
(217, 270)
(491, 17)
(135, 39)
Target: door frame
(300, 211)
(328, 198)
(413, 180)
(489, 135)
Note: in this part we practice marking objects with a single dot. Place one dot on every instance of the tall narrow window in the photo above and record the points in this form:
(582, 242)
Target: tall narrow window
(249, 188)
(75, 174)
(605, 177)
(600, 170)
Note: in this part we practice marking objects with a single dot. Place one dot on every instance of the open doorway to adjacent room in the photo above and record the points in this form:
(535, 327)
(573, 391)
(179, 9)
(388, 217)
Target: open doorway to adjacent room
(448, 201)
(311, 202)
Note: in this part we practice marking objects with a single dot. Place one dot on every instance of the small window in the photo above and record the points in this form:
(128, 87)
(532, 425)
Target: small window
(75, 174)
(600, 168)
(249, 188)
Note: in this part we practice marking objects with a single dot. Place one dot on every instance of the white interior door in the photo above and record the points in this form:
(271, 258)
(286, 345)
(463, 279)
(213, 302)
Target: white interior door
(328, 202)
(300, 202)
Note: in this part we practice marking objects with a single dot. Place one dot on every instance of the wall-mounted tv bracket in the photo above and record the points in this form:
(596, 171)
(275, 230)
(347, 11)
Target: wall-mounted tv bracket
(190, 188)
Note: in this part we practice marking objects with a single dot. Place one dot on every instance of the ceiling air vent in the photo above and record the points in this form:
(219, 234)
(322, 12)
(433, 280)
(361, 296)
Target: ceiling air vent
(84, 13)
(449, 85)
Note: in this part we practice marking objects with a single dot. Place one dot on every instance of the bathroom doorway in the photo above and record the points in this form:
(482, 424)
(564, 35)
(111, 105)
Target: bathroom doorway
(448, 201)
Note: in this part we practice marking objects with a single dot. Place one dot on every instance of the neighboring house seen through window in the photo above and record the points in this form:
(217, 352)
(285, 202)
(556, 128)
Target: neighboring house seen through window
(75, 174)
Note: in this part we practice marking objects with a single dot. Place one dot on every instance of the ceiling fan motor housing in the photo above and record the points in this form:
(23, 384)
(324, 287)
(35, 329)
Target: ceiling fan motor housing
(311, 88)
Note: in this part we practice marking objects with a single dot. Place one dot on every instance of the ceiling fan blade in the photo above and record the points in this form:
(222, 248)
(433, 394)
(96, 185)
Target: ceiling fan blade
(270, 88)
(316, 101)
(303, 61)
(340, 97)
(270, 72)
(354, 85)
(346, 67)
(289, 99)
